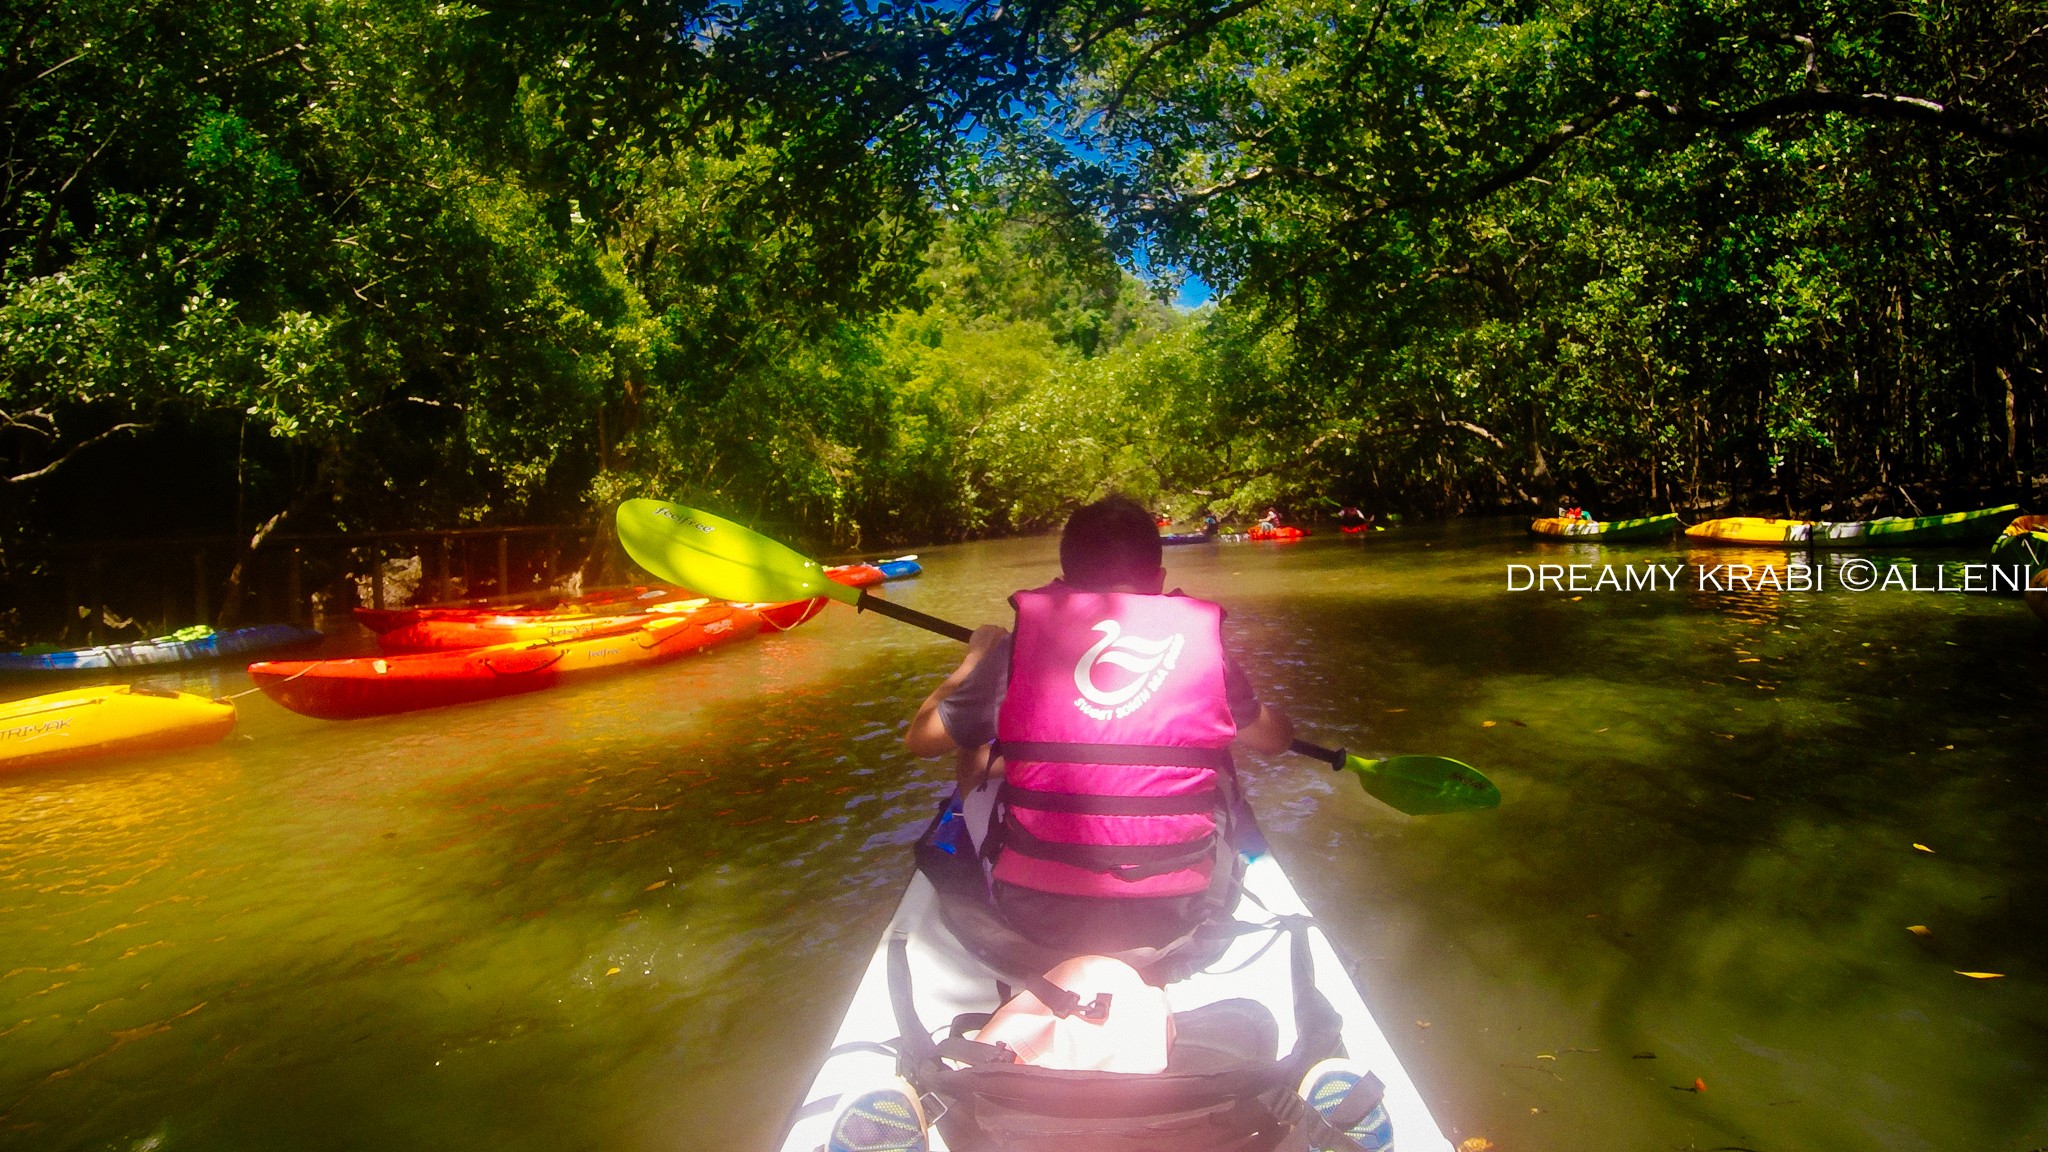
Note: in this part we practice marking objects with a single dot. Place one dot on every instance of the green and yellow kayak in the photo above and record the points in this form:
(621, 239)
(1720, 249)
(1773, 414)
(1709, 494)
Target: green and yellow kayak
(2024, 541)
(1648, 528)
(1900, 531)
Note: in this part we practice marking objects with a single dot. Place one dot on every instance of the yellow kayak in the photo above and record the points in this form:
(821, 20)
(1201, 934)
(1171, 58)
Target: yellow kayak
(1752, 530)
(107, 721)
(1900, 531)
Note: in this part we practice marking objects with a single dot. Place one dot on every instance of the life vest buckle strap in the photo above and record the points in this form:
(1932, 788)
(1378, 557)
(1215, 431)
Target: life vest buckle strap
(1201, 803)
(1124, 861)
(1146, 755)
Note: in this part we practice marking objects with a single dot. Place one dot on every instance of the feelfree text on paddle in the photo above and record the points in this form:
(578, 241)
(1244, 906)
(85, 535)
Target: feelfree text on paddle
(1854, 574)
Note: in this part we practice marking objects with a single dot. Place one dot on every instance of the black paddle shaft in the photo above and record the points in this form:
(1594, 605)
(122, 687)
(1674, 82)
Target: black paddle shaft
(869, 602)
(1334, 757)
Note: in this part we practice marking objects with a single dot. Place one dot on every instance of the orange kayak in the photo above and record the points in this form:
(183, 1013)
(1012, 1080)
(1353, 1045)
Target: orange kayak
(454, 634)
(603, 602)
(376, 686)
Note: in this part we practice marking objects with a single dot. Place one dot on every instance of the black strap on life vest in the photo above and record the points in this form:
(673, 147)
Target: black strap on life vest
(1128, 862)
(1201, 803)
(1149, 755)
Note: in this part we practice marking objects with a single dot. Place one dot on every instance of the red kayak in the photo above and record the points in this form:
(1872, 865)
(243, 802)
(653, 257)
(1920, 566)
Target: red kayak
(856, 575)
(348, 689)
(1269, 532)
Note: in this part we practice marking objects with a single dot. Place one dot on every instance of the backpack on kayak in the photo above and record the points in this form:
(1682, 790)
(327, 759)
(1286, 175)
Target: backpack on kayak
(1222, 1089)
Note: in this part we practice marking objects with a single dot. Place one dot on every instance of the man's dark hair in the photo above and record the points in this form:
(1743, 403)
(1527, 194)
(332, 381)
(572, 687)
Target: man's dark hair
(1112, 541)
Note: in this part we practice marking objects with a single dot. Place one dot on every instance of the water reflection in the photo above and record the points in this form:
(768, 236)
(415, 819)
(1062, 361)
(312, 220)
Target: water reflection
(624, 914)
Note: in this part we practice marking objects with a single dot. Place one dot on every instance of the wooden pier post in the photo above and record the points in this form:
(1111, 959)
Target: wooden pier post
(199, 613)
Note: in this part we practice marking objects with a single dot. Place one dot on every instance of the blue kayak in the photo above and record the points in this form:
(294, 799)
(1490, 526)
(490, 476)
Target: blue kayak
(1173, 538)
(898, 569)
(183, 648)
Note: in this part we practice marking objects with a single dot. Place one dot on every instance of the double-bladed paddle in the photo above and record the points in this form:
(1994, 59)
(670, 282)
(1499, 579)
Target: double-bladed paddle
(716, 557)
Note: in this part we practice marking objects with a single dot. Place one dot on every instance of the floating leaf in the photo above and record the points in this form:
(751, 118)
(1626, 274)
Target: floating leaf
(1699, 1085)
(1422, 1023)
(1919, 930)
(1644, 1056)
(1924, 848)
(656, 884)
(611, 971)
(1475, 1144)
(1981, 975)
(1486, 723)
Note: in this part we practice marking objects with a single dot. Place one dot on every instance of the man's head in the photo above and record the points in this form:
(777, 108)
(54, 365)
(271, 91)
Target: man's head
(1112, 545)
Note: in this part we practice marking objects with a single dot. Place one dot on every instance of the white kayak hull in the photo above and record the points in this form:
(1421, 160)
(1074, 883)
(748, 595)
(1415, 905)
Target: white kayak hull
(947, 980)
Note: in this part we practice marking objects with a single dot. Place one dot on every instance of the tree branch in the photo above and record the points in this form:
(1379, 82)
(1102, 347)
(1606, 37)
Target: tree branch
(60, 461)
(1197, 28)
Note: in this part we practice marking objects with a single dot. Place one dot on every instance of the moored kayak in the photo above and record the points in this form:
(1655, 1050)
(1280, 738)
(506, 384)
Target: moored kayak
(1905, 531)
(354, 688)
(2029, 548)
(1647, 528)
(190, 646)
(947, 981)
(2024, 541)
(443, 634)
(1171, 539)
(856, 575)
(600, 602)
(90, 722)
(901, 569)
(1752, 530)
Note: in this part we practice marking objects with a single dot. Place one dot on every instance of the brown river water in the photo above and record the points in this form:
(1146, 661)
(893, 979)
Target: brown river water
(625, 915)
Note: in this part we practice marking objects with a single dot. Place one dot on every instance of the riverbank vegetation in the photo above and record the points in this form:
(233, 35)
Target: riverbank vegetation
(865, 273)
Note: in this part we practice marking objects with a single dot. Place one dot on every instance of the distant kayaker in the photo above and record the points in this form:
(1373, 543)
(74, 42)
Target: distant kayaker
(1271, 518)
(1210, 524)
(1099, 849)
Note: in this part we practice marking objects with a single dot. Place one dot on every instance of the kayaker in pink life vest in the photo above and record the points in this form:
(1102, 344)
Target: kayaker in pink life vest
(1105, 723)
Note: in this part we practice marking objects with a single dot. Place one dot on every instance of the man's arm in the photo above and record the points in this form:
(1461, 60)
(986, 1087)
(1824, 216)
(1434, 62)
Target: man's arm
(927, 735)
(1270, 734)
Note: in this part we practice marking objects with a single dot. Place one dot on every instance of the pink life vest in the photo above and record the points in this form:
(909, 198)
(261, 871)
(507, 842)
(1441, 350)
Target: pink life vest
(1114, 728)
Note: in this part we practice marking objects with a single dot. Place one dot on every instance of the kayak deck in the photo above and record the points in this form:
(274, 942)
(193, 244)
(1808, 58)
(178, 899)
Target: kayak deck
(1647, 528)
(948, 980)
(91, 722)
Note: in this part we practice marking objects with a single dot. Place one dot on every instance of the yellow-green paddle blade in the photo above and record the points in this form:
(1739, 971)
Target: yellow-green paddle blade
(716, 557)
(1425, 785)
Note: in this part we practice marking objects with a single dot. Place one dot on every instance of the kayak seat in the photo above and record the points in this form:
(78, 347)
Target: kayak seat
(1224, 1035)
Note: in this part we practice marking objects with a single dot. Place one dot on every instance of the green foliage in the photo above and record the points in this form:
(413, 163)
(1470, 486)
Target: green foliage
(835, 269)
(1655, 252)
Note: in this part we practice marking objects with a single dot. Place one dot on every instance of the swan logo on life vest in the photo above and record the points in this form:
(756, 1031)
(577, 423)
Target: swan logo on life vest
(1152, 660)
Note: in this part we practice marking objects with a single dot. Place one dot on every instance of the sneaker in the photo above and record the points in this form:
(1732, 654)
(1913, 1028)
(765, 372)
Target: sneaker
(1330, 1083)
(884, 1120)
